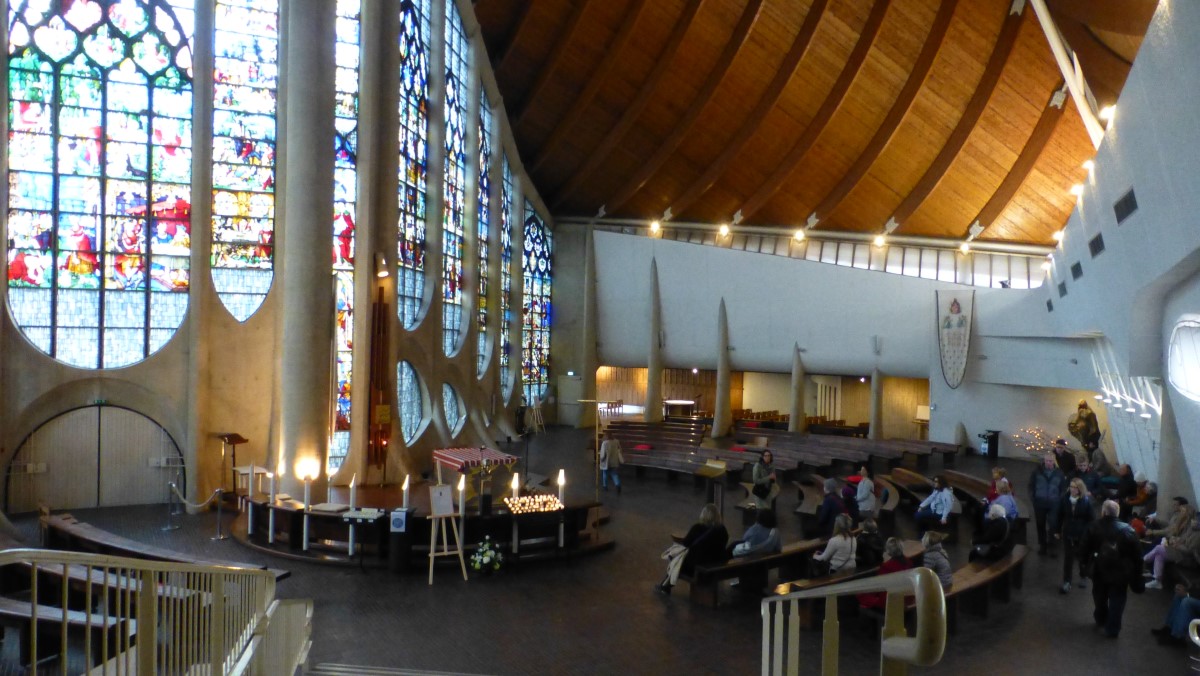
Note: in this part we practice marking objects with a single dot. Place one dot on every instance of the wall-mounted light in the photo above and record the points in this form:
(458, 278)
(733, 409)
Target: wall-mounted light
(880, 241)
(1146, 414)
(798, 236)
(1099, 397)
(1107, 113)
(695, 371)
(964, 248)
(1089, 165)
(381, 265)
(1057, 236)
(724, 230)
(655, 226)
(1076, 189)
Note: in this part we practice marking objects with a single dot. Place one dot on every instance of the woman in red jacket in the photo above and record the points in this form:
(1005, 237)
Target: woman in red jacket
(893, 561)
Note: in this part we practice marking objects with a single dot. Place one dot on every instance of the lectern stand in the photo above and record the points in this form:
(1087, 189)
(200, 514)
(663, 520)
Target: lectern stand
(231, 439)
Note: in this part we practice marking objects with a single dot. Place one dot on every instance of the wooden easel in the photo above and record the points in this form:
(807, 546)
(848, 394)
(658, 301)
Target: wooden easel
(443, 510)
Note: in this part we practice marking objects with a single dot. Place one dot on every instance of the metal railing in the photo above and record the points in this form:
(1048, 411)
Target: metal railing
(781, 624)
(99, 614)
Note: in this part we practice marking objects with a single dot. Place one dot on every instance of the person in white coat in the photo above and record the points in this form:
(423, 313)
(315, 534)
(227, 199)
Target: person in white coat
(865, 494)
(610, 461)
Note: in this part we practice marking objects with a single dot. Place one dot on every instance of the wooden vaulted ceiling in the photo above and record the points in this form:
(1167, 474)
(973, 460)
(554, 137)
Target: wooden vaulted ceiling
(935, 113)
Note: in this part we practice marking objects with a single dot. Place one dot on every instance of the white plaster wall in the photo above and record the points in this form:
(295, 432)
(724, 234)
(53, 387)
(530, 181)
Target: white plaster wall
(767, 391)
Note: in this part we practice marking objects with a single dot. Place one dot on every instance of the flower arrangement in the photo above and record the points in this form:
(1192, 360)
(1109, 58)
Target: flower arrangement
(487, 557)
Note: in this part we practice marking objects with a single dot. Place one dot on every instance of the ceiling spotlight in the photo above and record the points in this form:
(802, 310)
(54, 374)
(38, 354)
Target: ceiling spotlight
(880, 240)
(1077, 189)
(1107, 112)
(654, 226)
(1130, 409)
(1099, 397)
(724, 230)
(1108, 400)
(1146, 414)
(1057, 236)
(862, 379)
(1089, 165)
(965, 248)
(799, 236)
(1046, 265)
(695, 371)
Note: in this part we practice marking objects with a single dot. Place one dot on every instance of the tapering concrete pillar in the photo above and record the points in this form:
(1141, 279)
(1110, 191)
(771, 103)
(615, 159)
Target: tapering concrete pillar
(796, 417)
(303, 242)
(722, 412)
(876, 430)
(591, 360)
(1174, 477)
(654, 400)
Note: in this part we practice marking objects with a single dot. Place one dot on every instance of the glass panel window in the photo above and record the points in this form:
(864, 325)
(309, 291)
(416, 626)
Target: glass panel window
(482, 228)
(414, 156)
(947, 260)
(983, 269)
(454, 180)
(452, 406)
(99, 175)
(894, 256)
(508, 216)
(245, 83)
(409, 400)
(345, 197)
(535, 336)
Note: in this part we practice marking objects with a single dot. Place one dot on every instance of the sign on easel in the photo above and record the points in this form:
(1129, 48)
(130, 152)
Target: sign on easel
(441, 504)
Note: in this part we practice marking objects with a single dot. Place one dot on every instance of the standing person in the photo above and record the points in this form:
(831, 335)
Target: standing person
(1045, 488)
(610, 461)
(704, 542)
(1084, 426)
(1065, 457)
(1113, 549)
(864, 495)
(936, 508)
(1126, 490)
(850, 500)
(766, 484)
(831, 508)
(1075, 515)
(1090, 479)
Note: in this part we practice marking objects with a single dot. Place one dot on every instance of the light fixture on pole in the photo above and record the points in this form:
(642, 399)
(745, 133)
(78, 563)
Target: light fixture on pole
(381, 265)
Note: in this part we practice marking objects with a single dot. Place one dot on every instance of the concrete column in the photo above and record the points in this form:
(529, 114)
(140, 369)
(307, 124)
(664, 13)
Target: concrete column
(722, 411)
(876, 430)
(654, 400)
(306, 326)
(591, 361)
(796, 419)
(1174, 478)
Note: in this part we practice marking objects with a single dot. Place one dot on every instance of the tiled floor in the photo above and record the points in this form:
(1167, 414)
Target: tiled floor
(598, 615)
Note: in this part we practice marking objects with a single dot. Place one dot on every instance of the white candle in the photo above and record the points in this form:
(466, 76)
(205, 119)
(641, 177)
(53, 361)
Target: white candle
(271, 476)
(562, 483)
(405, 491)
(516, 486)
(307, 493)
(462, 495)
(250, 487)
(353, 490)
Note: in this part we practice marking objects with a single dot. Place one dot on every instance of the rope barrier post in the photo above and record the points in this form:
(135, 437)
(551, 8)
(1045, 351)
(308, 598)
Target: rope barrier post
(178, 481)
(220, 499)
(170, 507)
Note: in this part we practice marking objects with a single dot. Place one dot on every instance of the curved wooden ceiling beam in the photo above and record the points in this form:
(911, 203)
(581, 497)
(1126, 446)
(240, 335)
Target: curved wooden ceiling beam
(733, 47)
(899, 110)
(787, 69)
(821, 120)
(612, 53)
(1129, 17)
(1027, 159)
(506, 51)
(665, 58)
(1104, 70)
(966, 124)
(565, 39)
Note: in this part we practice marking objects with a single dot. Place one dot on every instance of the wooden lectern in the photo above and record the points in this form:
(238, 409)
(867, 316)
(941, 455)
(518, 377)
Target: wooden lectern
(232, 440)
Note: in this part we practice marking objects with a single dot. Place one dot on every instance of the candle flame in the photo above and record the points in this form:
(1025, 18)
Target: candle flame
(405, 482)
(353, 478)
(515, 482)
(462, 483)
(562, 477)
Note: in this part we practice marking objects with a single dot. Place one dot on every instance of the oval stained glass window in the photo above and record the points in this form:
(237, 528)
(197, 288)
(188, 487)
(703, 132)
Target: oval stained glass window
(452, 405)
(410, 400)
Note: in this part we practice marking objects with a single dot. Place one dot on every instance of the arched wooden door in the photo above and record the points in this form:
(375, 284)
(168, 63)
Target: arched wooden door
(97, 456)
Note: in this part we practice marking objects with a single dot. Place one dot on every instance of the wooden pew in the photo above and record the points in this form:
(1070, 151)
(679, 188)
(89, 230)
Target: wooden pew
(791, 561)
(917, 487)
(103, 629)
(979, 581)
(973, 491)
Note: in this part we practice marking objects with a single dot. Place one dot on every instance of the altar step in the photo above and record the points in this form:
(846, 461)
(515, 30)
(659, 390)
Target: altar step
(328, 669)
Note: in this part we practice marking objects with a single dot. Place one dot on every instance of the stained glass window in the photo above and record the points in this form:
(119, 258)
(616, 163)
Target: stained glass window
(414, 153)
(483, 225)
(535, 336)
(454, 181)
(345, 196)
(410, 398)
(245, 78)
(507, 218)
(99, 175)
(453, 408)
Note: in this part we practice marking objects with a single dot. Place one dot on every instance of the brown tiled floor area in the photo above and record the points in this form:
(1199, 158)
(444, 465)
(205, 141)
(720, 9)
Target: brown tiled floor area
(598, 615)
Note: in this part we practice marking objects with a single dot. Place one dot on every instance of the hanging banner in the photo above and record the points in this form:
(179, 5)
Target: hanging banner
(954, 333)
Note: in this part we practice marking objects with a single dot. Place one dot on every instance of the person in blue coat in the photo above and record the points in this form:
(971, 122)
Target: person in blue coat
(936, 508)
(1046, 486)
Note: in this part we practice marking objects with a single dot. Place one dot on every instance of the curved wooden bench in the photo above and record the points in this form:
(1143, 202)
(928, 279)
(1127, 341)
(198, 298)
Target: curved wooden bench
(979, 581)
(705, 580)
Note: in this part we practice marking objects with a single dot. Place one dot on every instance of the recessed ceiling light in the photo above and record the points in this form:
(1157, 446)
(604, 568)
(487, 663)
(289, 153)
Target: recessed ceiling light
(1145, 414)
(724, 230)
(1099, 396)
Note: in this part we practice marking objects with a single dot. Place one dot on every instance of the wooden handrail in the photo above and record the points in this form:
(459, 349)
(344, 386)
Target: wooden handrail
(923, 648)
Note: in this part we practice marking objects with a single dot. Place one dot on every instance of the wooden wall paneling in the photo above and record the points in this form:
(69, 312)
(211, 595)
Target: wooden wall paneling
(501, 53)
(1020, 170)
(580, 103)
(751, 120)
(666, 57)
(934, 41)
(856, 401)
(1124, 46)
(566, 38)
(966, 123)
(1120, 16)
(1104, 70)
(901, 396)
(821, 120)
(69, 447)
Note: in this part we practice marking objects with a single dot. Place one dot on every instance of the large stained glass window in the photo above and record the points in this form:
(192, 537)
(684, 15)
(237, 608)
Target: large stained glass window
(410, 397)
(483, 225)
(245, 79)
(535, 336)
(452, 406)
(414, 154)
(454, 195)
(345, 196)
(99, 175)
(507, 218)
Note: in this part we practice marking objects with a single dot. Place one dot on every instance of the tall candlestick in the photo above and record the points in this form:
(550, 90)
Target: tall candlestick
(307, 506)
(516, 486)
(405, 491)
(250, 484)
(462, 495)
(353, 490)
(271, 476)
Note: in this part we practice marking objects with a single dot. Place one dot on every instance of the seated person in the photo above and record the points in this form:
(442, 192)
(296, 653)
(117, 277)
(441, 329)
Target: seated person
(870, 545)
(1145, 498)
(894, 561)
(705, 543)
(1185, 607)
(850, 501)
(936, 508)
(998, 474)
(936, 558)
(760, 538)
(994, 541)
(1181, 550)
(831, 507)
(841, 550)
(1005, 499)
(1176, 522)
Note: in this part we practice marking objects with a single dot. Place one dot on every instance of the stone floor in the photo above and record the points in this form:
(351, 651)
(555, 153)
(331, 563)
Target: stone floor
(598, 615)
